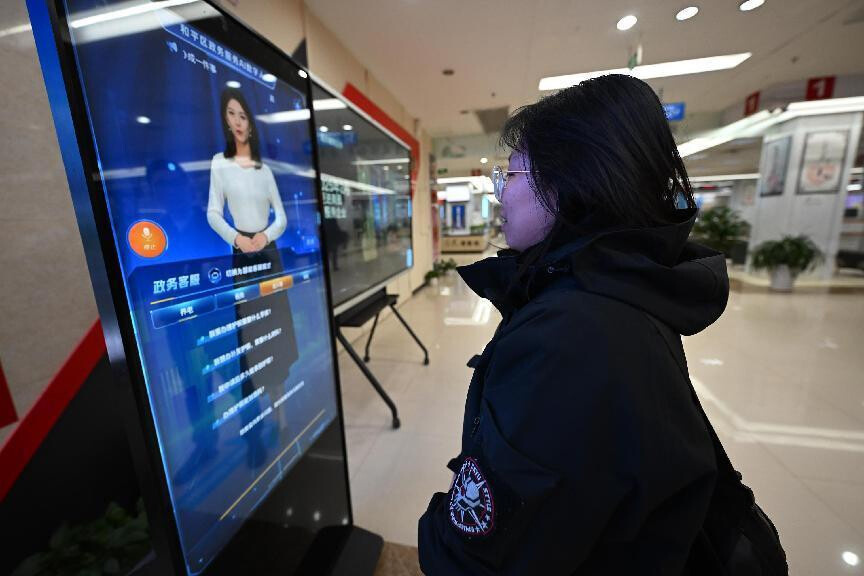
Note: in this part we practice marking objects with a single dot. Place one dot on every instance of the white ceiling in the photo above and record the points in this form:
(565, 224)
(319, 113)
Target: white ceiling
(499, 49)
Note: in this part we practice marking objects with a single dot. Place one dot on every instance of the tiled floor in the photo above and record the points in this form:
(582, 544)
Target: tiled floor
(782, 377)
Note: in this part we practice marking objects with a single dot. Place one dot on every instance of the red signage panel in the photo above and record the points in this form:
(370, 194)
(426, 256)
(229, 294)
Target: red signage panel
(751, 105)
(820, 88)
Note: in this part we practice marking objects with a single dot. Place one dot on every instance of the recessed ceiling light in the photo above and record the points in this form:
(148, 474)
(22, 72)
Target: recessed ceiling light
(447, 72)
(268, 77)
(484, 160)
(386, 168)
(626, 22)
(347, 127)
(851, 558)
(232, 84)
(142, 120)
(302, 74)
(748, 5)
(324, 129)
(648, 71)
(687, 13)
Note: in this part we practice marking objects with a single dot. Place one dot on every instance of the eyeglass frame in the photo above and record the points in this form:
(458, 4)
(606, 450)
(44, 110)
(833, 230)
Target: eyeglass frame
(499, 180)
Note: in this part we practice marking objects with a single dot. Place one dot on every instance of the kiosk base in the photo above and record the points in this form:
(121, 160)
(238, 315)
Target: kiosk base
(343, 551)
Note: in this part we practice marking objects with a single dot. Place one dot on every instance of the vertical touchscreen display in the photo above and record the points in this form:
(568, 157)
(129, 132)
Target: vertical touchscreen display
(206, 163)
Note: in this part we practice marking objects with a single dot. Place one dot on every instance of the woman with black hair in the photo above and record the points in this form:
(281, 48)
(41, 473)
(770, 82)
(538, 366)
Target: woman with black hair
(239, 178)
(584, 450)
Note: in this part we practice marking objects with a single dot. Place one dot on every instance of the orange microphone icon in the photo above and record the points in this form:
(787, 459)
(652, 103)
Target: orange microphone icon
(147, 239)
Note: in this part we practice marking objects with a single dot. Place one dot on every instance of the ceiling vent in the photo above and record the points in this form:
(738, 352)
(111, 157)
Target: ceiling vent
(492, 119)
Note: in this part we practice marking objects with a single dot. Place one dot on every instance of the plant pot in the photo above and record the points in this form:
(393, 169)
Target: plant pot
(782, 279)
(433, 282)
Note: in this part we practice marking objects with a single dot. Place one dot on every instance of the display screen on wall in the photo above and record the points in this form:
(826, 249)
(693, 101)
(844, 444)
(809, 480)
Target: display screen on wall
(366, 183)
(203, 140)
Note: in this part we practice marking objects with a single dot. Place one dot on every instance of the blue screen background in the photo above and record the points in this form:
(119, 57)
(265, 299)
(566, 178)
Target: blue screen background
(156, 120)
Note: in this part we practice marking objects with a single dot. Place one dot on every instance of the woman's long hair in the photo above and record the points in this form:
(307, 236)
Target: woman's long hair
(229, 94)
(601, 156)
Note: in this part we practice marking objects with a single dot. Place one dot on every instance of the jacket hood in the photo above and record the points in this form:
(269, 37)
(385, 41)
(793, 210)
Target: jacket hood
(654, 269)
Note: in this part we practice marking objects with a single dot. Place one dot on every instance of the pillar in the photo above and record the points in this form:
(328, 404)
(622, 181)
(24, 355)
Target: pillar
(791, 203)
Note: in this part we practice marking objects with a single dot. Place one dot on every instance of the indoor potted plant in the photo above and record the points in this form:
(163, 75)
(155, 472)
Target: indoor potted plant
(720, 228)
(785, 259)
(444, 267)
(432, 277)
(113, 544)
(449, 266)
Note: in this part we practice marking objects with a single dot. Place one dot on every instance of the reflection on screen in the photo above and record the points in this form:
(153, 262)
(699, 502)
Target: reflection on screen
(207, 170)
(365, 178)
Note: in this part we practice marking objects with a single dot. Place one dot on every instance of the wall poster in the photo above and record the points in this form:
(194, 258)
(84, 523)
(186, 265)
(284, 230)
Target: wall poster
(822, 162)
(774, 166)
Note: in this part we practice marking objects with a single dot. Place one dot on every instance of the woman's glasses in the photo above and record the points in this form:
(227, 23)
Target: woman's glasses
(499, 179)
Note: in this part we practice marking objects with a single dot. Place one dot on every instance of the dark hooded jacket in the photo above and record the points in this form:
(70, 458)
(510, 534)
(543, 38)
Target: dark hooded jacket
(582, 449)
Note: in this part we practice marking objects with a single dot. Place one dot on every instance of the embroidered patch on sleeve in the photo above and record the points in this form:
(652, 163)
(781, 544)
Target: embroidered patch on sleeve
(472, 508)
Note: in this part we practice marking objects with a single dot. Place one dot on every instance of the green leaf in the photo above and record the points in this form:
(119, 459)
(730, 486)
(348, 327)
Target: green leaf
(799, 253)
(720, 228)
(111, 544)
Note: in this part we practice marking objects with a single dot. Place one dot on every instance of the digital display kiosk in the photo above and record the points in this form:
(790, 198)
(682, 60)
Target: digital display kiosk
(189, 145)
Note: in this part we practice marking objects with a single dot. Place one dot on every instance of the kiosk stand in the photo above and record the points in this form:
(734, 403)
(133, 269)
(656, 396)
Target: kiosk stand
(357, 316)
(234, 424)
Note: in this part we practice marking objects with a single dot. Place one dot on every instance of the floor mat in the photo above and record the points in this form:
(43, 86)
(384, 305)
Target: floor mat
(398, 560)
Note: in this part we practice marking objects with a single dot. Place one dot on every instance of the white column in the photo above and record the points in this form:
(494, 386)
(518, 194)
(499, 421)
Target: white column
(793, 212)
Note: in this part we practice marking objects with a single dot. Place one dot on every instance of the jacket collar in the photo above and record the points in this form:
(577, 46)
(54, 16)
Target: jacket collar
(495, 278)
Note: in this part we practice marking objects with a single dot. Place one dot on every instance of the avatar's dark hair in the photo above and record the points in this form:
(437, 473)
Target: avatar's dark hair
(229, 94)
(601, 156)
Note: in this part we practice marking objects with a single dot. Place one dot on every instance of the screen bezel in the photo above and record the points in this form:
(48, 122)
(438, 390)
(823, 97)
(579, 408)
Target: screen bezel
(347, 303)
(78, 149)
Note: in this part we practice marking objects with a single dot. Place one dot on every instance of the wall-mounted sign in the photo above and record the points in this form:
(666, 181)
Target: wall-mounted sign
(820, 88)
(751, 104)
(822, 162)
(674, 111)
